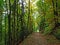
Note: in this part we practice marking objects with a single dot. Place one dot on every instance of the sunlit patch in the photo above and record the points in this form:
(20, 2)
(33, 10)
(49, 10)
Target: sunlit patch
(37, 30)
(42, 0)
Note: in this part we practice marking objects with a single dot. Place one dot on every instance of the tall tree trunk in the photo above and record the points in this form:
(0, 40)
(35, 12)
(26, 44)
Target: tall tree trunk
(9, 23)
(28, 15)
(55, 12)
(22, 20)
(0, 26)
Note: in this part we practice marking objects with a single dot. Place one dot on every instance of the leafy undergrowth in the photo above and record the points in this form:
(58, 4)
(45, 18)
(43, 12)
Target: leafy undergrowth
(57, 33)
(37, 38)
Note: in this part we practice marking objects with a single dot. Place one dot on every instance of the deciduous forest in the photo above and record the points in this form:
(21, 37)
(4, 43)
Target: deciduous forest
(21, 18)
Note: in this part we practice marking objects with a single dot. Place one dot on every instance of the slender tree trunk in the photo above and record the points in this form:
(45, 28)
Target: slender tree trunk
(1, 26)
(22, 20)
(9, 27)
(28, 15)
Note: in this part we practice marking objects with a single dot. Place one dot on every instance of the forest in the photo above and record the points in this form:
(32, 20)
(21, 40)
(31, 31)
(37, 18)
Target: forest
(20, 18)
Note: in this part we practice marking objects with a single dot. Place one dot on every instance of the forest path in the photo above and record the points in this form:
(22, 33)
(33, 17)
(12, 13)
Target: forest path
(37, 38)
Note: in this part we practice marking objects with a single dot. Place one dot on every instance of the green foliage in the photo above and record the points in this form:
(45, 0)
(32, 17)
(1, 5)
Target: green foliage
(57, 32)
(17, 20)
(50, 10)
(14, 21)
(1, 3)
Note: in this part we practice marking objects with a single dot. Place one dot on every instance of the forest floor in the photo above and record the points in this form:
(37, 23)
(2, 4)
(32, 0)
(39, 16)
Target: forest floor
(37, 38)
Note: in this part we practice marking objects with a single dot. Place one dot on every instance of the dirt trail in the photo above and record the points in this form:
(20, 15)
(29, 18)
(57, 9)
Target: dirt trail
(39, 39)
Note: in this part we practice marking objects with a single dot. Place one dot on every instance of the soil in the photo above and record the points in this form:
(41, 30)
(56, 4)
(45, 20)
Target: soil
(37, 38)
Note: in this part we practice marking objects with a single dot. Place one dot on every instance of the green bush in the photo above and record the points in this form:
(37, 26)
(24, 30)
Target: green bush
(57, 33)
(47, 30)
